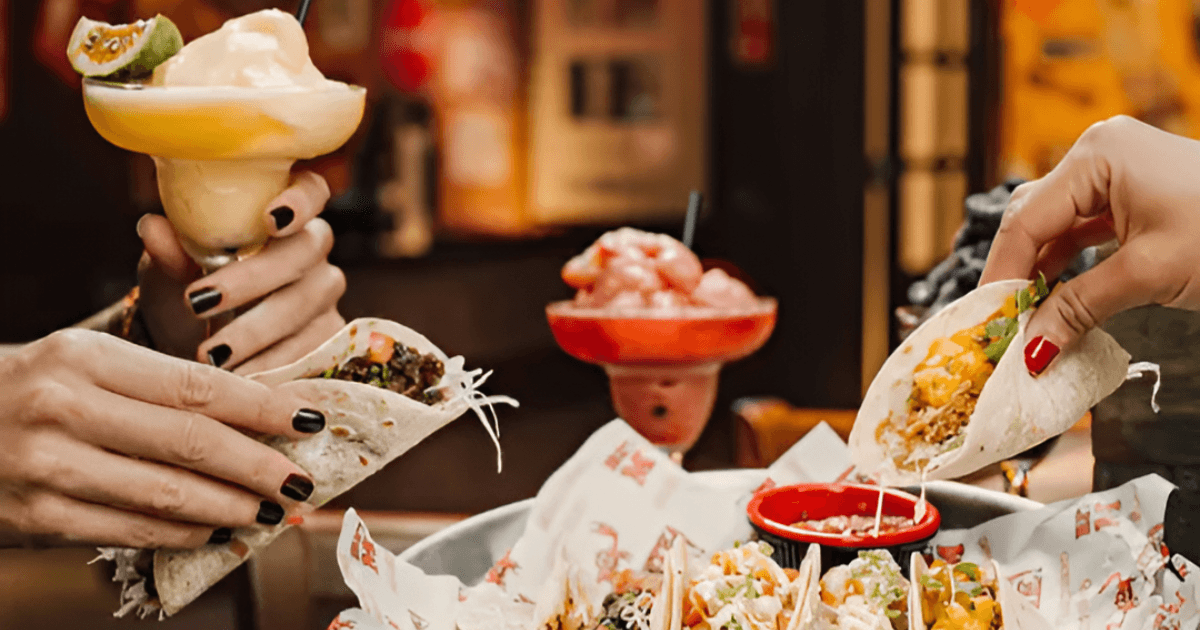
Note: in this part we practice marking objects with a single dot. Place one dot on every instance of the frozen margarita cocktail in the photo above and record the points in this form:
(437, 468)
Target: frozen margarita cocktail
(224, 117)
(661, 327)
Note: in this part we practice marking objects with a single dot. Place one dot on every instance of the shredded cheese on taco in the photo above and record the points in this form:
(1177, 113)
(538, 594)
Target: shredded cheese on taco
(959, 597)
(947, 384)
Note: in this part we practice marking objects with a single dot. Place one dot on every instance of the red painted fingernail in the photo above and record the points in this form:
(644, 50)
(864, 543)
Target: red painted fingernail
(295, 520)
(1038, 354)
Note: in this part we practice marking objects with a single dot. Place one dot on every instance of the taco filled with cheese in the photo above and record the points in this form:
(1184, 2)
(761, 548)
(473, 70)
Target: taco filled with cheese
(956, 396)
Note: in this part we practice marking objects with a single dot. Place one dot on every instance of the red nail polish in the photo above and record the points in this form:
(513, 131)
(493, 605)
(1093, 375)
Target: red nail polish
(1038, 354)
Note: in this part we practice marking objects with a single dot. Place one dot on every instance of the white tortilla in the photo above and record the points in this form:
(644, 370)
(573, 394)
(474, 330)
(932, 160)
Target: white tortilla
(808, 589)
(366, 428)
(1015, 411)
(1016, 612)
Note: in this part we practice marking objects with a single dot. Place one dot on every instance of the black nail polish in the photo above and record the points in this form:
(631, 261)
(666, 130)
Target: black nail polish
(269, 513)
(204, 299)
(283, 217)
(297, 487)
(308, 421)
(220, 536)
(218, 355)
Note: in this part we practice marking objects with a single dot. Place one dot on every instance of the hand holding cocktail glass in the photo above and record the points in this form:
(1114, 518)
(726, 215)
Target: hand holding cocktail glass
(286, 295)
(224, 118)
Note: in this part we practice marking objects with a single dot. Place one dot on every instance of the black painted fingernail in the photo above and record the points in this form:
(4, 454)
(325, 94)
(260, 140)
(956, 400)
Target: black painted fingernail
(269, 513)
(218, 355)
(204, 299)
(220, 536)
(297, 487)
(308, 421)
(283, 217)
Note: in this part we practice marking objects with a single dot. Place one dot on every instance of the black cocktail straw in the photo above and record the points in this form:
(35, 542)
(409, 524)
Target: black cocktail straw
(689, 222)
(302, 12)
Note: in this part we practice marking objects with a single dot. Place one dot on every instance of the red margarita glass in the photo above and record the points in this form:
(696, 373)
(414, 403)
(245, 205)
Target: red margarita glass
(662, 370)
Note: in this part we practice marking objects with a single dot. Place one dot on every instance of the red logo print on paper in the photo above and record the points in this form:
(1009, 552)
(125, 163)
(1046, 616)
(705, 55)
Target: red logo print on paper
(1168, 615)
(496, 574)
(951, 555)
(1083, 523)
(418, 622)
(1155, 553)
(607, 560)
(614, 460)
(1105, 515)
(1029, 584)
(654, 562)
(639, 466)
(338, 624)
(1125, 600)
(363, 550)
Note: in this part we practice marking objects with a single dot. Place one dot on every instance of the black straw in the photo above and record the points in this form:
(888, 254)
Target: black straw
(695, 199)
(302, 12)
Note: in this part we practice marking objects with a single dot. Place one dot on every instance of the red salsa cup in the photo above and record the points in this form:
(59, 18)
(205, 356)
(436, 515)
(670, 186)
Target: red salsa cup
(773, 512)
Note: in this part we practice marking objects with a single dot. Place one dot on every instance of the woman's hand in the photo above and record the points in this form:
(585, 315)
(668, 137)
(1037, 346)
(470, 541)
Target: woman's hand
(107, 442)
(297, 286)
(1122, 179)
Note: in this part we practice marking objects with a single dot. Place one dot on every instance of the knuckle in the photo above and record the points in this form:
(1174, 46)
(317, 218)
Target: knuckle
(268, 471)
(167, 497)
(1074, 311)
(43, 513)
(68, 345)
(46, 467)
(143, 534)
(194, 388)
(48, 400)
(191, 445)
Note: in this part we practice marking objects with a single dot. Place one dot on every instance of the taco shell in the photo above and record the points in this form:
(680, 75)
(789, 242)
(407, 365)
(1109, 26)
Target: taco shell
(366, 428)
(1014, 410)
(1016, 612)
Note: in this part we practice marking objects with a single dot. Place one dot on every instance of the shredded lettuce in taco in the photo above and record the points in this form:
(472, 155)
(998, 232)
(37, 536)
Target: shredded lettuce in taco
(869, 593)
(947, 384)
(741, 589)
(959, 597)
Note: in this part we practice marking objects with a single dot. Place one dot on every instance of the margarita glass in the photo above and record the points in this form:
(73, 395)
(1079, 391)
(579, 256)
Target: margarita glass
(663, 371)
(222, 153)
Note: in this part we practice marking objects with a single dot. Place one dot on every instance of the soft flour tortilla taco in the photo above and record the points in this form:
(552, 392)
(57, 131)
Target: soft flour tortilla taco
(965, 596)
(637, 600)
(743, 589)
(956, 395)
(370, 380)
(870, 593)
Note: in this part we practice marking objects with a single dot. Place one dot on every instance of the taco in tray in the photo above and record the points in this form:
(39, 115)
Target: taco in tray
(382, 387)
(966, 596)
(870, 593)
(956, 396)
(634, 600)
(744, 589)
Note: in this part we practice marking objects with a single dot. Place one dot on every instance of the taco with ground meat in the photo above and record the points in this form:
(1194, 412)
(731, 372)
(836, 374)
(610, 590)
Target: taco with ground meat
(382, 387)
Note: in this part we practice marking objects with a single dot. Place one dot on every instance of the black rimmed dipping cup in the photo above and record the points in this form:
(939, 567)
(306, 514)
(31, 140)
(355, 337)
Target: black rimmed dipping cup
(773, 512)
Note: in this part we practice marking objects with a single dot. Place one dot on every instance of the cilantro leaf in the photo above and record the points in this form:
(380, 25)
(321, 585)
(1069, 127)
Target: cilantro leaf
(969, 569)
(892, 613)
(1024, 300)
(1040, 285)
(973, 588)
(931, 583)
(999, 326)
(995, 350)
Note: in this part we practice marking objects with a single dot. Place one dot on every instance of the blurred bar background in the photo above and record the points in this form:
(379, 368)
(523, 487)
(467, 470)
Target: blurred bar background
(835, 141)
